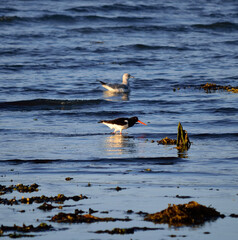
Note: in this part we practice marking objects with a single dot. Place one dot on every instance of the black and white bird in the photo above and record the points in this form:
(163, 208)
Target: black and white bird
(119, 88)
(119, 124)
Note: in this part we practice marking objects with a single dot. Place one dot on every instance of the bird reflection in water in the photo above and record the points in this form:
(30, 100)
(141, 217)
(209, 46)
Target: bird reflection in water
(113, 96)
(120, 144)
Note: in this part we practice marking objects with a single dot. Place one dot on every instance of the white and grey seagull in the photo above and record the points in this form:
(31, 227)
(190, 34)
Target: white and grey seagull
(119, 88)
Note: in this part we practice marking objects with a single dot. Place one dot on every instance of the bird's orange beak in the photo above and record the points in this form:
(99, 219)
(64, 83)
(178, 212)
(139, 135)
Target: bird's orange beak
(141, 122)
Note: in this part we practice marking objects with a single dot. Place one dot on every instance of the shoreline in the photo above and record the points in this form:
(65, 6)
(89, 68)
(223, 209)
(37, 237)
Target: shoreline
(117, 199)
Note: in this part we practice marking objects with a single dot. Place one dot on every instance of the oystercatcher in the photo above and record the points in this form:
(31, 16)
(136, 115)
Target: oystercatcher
(119, 124)
(119, 88)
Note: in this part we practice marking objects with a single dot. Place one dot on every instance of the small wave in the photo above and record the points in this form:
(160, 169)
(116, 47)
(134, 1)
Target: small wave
(29, 66)
(154, 47)
(54, 134)
(156, 102)
(217, 26)
(7, 9)
(106, 115)
(227, 110)
(214, 135)
(48, 104)
(130, 28)
(79, 49)
(8, 19)
(113, 19)
(145, 47)
(57, 18)
(133, 62)
(10, 90)
(36, 161)
(59, 104)
(157, 160)
(88, 30)
(45, 18)
(122, 8)
(11, 51)
(232, 42)
(89, 18)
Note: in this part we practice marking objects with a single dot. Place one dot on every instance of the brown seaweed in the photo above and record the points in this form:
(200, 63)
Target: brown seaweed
(16, 235)
(123, 231)
(212, 87)
(167, 141)
(183, 143)
(24, 229)
(78, 218)
(209, 87)
(20, 188)
(68, 179)
(90, 211)
(46, 207)
(60, 198)
(30, 228)
(117, 188)
(182, 197)
(191, 213)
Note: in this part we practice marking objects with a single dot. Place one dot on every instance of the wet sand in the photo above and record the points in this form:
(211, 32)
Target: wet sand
(123, 196)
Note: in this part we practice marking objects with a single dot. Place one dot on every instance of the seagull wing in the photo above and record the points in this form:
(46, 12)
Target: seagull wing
(115, 87)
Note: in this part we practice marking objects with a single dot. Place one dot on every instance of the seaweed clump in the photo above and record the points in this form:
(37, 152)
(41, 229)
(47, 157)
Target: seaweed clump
(4, 189)
(117, 188)
(47, 207)
(68, 179)
(26, 188)
(191, 213)
(212, 87)
(167, 141)
(123, 231)
(15, 235)
(208, 87)
(24, 229)
(20, 188)
(183, 143)
(60, 198)
(87, 218)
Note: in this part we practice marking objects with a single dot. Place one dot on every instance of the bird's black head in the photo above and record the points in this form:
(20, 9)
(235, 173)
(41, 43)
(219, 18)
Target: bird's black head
(132, 121)
(135, 119)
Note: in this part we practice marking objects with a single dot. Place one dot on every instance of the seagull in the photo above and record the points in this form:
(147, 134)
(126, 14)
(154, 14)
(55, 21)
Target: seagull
(119, 124)
(119, 88)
